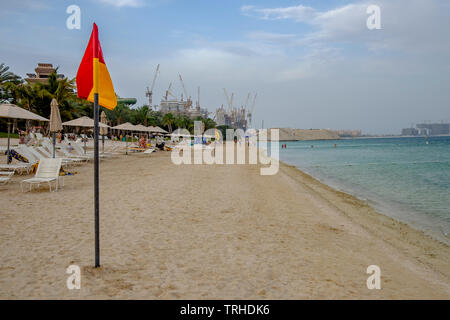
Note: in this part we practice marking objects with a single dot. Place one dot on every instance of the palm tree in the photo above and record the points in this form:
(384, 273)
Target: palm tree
(120, 114)
(180, 122)
(168, 120)
(141, 114)
(209, 123)
(7, 76)
(8, 81)
(63, 90)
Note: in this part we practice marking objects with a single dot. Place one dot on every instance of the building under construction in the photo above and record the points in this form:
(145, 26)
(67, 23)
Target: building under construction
(171, 104)
(235, 118)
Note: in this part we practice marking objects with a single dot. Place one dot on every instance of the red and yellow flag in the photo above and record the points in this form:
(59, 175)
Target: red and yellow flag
(93, 76)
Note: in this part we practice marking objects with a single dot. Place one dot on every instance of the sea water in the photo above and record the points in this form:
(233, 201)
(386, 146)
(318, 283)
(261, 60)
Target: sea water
(405, 178)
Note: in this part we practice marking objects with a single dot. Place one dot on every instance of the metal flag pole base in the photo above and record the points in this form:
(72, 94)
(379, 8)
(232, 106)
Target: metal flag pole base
(96, 183)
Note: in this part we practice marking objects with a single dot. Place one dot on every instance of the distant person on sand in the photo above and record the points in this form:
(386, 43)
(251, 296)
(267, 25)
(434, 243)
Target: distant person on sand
(21, 138)
(69, 148)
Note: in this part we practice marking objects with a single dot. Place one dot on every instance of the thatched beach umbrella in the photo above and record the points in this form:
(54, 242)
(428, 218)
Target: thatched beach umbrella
(159, 130)
(143, 128)
(55, 122)
(11, 111)
(85, 122)
(125, 127)
(103, 130)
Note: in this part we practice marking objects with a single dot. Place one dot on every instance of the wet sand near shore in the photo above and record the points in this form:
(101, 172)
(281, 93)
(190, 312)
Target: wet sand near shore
(209, 232)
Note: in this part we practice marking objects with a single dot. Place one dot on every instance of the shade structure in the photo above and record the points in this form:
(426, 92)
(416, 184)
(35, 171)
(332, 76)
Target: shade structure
(140, 127)
(55, 122)
(83, 122)
(157, 130)
(8, 110)
(180, 133)
(125, 126)
(11, 111)
(55, 117)
(104, 120)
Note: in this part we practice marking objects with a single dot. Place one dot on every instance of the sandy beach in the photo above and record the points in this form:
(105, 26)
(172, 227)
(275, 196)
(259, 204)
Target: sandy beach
(209, 232)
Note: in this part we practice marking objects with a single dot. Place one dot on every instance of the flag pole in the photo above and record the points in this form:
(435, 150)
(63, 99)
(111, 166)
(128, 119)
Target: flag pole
(96, 184)
(96, 167)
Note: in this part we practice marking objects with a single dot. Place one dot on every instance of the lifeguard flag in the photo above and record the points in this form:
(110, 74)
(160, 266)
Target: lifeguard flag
(93, 76)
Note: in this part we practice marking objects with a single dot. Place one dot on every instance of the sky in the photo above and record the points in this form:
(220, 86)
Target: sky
(313, 64)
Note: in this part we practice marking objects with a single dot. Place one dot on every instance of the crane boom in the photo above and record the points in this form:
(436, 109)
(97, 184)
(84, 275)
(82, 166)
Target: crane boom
(182, 84)
(154, 78)
(254, 102)
(231, 101)
(246, 101)
(149, 92)
(198, 101)
(226, 96)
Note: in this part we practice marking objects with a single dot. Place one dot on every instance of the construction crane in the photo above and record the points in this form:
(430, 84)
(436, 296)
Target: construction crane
(198, 98)
(149, 92)
(250, 111)
(231, 101)
(184, 88)
(228, 98)
(169, 92)
(189, 101)
(246, 100)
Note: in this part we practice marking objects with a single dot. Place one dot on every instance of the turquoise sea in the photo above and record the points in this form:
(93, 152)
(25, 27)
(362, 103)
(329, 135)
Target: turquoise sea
(405, 178)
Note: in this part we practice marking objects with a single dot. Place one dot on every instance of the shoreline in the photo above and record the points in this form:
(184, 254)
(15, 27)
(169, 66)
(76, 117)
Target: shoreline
(286, 236)
(418, 221)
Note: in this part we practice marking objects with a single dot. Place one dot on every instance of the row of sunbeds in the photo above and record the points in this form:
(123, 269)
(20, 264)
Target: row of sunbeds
(49, 167)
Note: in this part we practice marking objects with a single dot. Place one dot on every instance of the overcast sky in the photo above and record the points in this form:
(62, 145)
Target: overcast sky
(314, 64)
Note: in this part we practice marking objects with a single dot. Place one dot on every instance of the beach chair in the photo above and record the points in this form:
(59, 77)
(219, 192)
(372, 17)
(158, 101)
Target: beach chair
(48, 151)
(47, 172)
(5, 176)
(47, 154)
(149, 151)
(79, 151)
(20, 167)
(72, 156)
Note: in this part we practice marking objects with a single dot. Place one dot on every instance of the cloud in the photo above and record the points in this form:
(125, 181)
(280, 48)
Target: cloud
(405, 23)
(299, 13)
(124, 3)
(271, 37)
(23, 6)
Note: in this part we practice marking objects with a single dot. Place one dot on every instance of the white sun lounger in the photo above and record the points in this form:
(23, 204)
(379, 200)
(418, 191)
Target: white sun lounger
(5, 177)
(20, 166)
(47, 172)
(48, 151)
(79, 151)
(47, 154)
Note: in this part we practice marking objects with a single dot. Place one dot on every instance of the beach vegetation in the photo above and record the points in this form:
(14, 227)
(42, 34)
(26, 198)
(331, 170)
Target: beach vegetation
(36, 97)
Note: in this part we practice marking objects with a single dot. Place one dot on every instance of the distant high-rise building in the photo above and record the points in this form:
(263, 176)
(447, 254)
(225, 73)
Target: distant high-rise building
(433, 128)
(410, 132)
